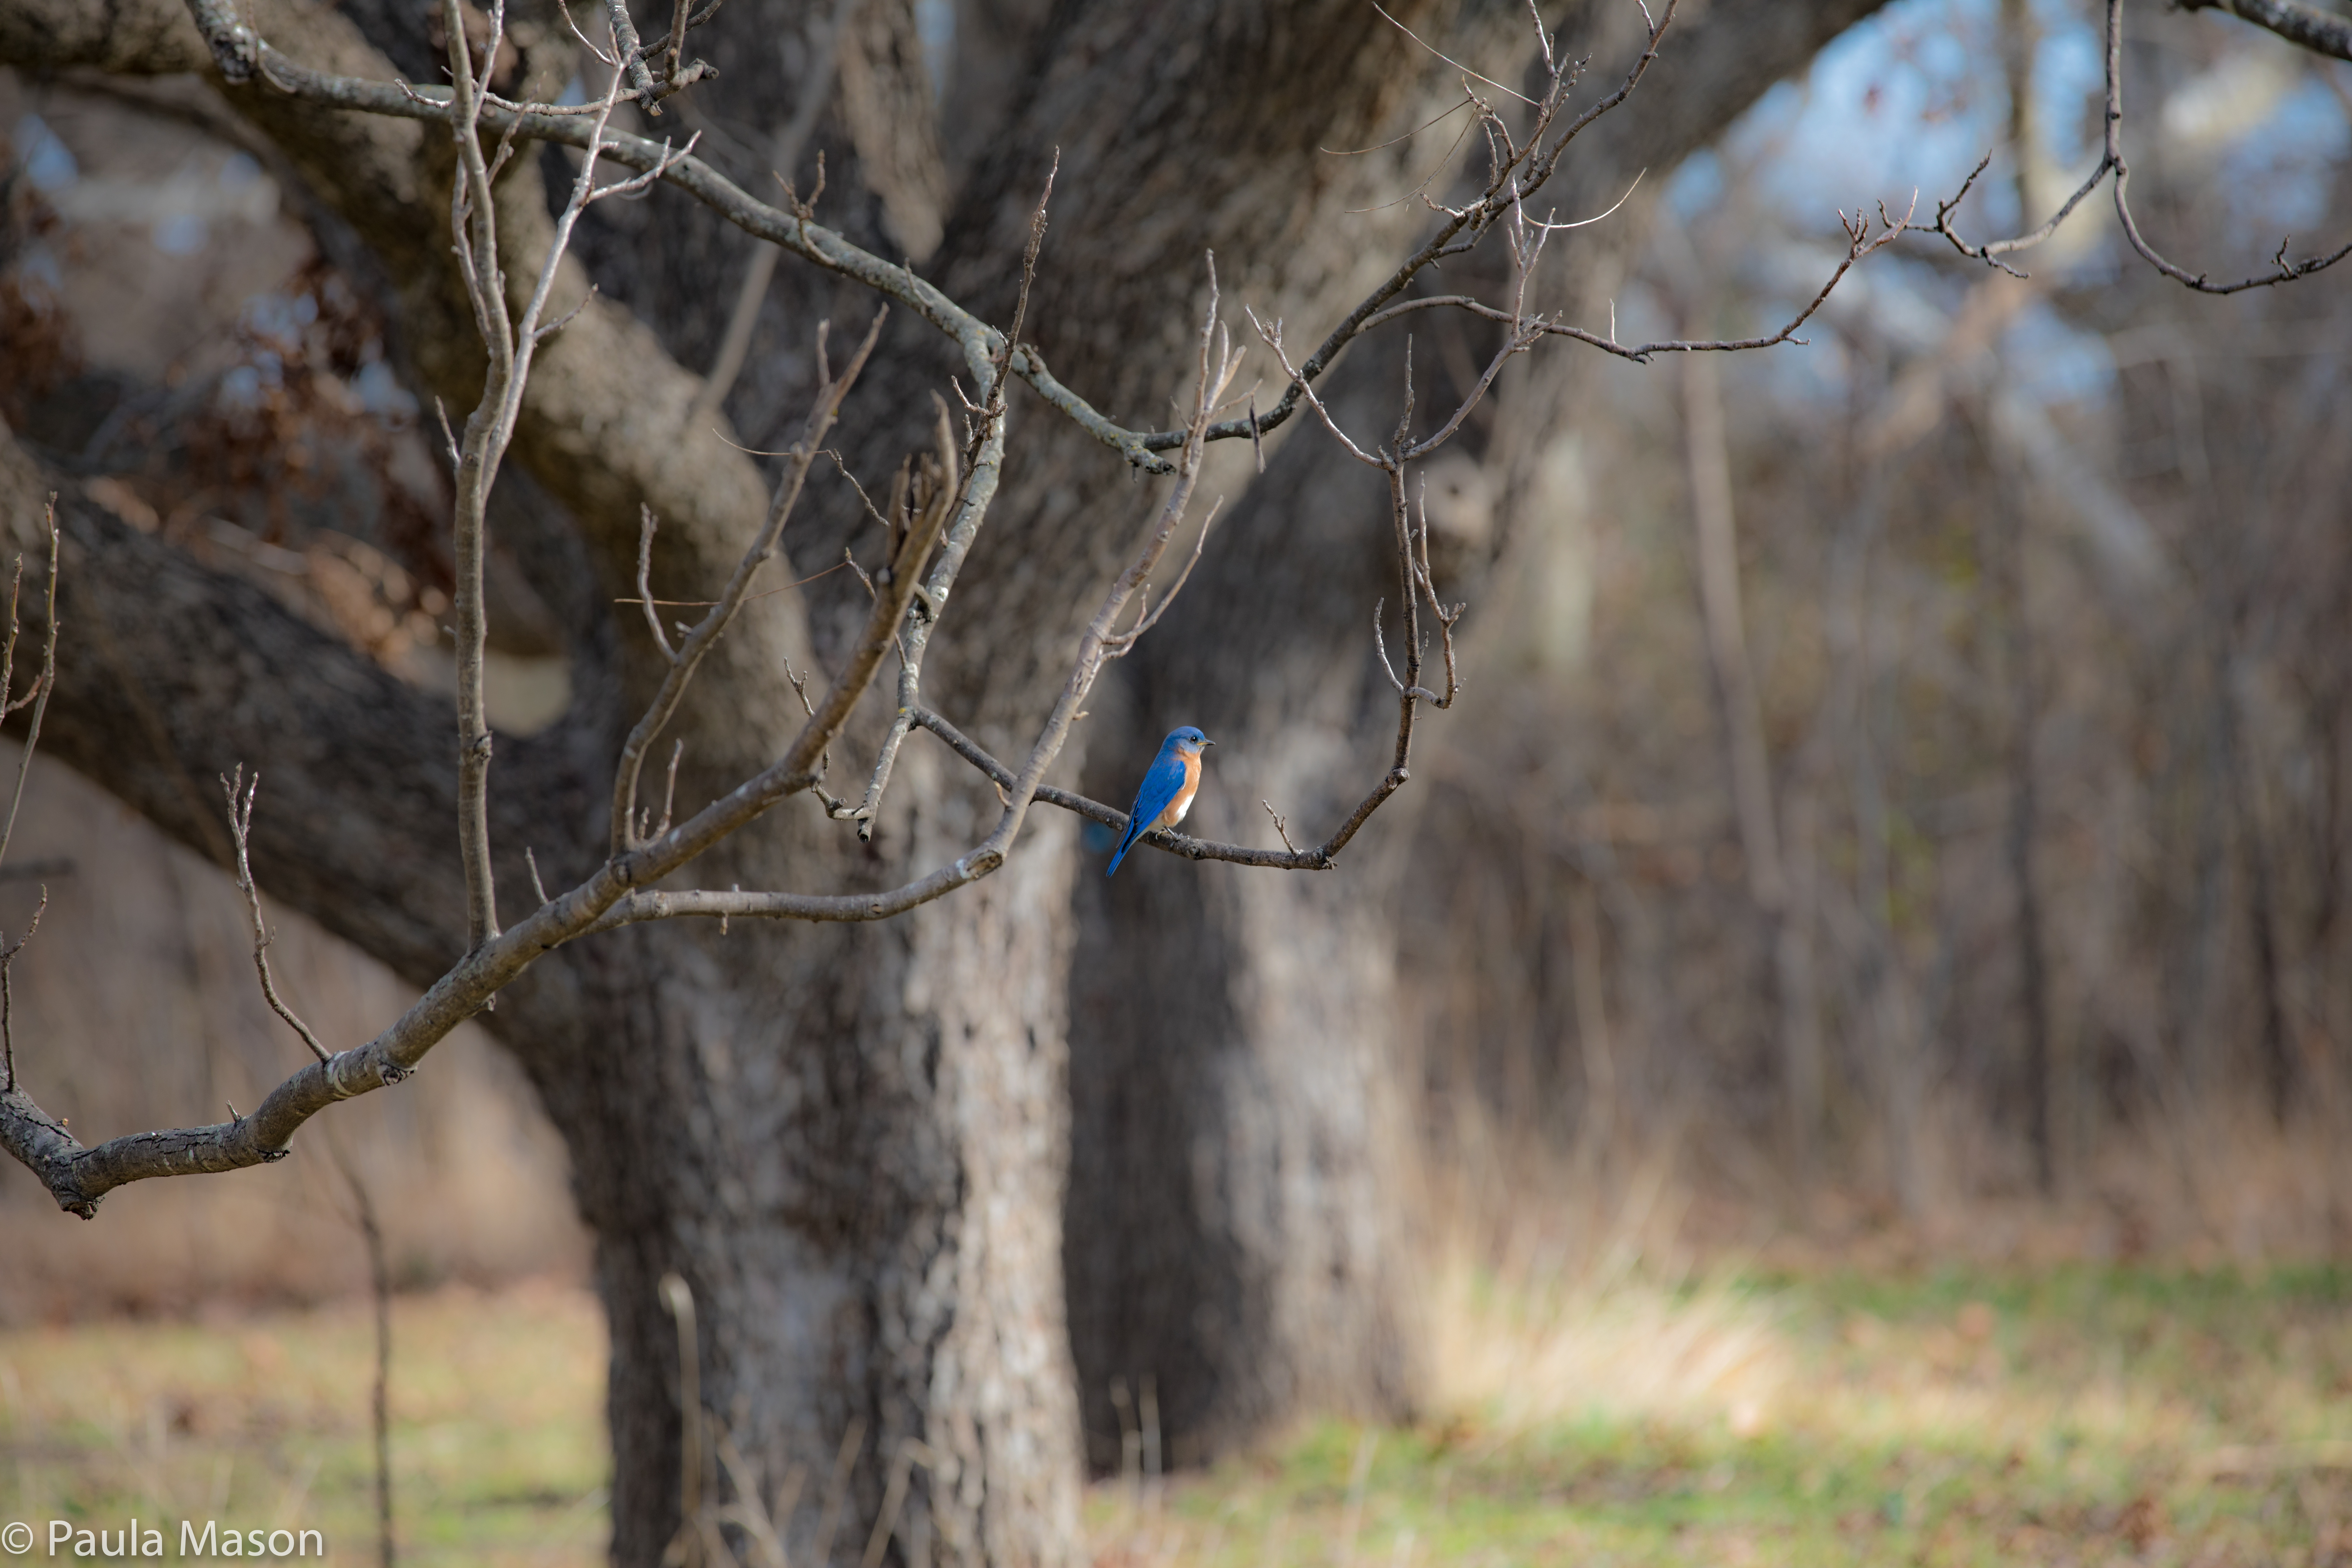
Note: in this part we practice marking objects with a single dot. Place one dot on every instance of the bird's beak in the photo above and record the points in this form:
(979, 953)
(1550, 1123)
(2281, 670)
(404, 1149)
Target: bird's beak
(1206, 743)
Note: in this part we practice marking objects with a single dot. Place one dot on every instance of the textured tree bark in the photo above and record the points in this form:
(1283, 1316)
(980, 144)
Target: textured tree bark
(851, 1142)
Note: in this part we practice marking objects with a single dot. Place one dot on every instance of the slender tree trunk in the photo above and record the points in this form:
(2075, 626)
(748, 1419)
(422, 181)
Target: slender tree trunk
(2025, 828)
(1750, 763)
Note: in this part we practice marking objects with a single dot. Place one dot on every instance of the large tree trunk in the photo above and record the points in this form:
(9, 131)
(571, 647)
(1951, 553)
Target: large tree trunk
(851, 1142)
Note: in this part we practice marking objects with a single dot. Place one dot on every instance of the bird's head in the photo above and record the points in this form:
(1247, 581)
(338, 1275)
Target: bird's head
(1187, 742)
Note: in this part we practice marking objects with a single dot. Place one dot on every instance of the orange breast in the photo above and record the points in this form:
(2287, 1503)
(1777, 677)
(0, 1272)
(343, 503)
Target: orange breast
(1183, 801)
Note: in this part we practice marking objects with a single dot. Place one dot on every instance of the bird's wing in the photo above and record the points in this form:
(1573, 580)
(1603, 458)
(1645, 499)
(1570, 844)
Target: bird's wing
(1160, 786)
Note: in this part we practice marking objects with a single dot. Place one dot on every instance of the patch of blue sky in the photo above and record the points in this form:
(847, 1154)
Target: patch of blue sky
(38, 264)
(2280, 172)
(181, 234)
(935, 27)
(2069, 79)
(1897, 104)
(1904, 101)
(240, 386)
(2050, 360)
(380, 392)
(47, 161)
(278, 315)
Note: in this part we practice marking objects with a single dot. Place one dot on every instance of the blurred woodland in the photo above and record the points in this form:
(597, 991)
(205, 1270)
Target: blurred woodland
(1899, 809)
(2000, 866)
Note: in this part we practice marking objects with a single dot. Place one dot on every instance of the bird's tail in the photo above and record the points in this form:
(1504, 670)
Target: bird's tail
(1125, 845)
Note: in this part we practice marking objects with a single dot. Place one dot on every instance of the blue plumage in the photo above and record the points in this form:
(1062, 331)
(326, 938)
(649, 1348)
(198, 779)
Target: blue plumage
(1167, 791)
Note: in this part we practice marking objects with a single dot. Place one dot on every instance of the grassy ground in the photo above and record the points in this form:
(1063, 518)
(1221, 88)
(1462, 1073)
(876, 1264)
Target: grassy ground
(498, 1426)
(2080, 1414)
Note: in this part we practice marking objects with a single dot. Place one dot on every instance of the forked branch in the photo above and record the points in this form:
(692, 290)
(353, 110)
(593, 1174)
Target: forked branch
(2299, 24)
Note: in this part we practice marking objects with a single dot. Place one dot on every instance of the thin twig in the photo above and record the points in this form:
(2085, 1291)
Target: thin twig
(783, 154)
(379, 1287)
(678, 1299)
(647, 526)
(43, 684)
(240, 827)
(976, 479)
(7, 997)
(689, 655)
(670, 790)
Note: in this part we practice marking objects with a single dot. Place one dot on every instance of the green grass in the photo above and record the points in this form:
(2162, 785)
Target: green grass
(2078, 1414)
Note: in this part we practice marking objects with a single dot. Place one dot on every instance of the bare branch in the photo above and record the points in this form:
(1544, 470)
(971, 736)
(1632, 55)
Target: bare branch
(2282, 270)
(1446, 617)
(2311, 29)
(670, 790)
(2305, 26)
(1528, 166)
(473, 223)
(585, 42)
(631, 52)
(783, 154)
(647, 526)
(240, 825)
(689, 655)
(916, 640)
(7, 999)
(43, 684)
(1861, 239)
(1123, 644)
(1449, 60)
(1992, 251)
(1272, 336)
(1588, 222)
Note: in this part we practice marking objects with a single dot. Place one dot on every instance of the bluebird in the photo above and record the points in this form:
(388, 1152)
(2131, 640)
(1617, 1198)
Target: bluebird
(1166, 793)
